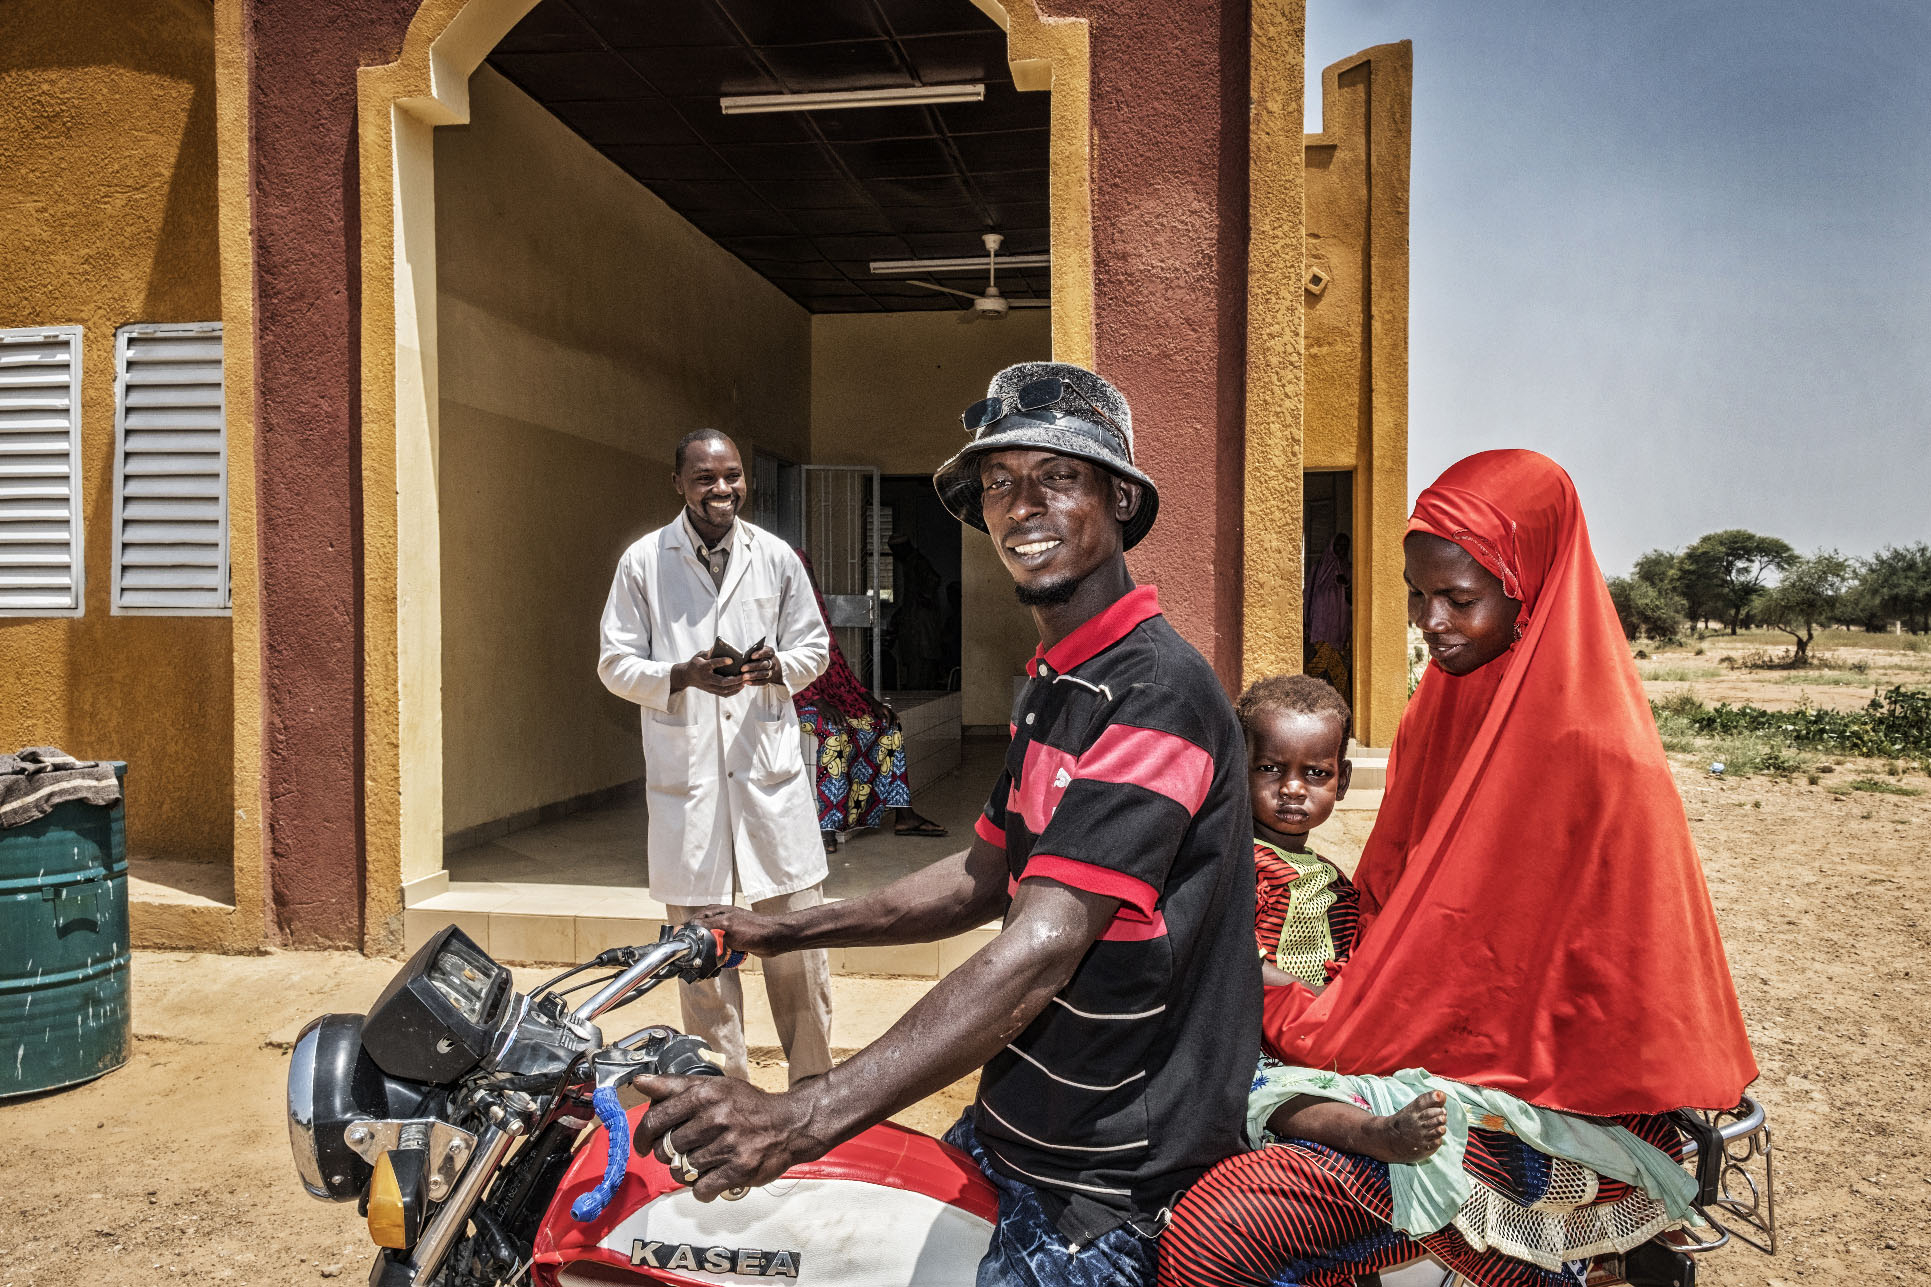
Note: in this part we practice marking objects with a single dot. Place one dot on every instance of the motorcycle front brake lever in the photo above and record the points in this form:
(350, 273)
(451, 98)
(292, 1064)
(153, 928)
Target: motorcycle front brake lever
(610, 1068)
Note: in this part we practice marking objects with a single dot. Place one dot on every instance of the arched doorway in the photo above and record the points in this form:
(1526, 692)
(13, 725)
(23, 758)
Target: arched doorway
(449, 464)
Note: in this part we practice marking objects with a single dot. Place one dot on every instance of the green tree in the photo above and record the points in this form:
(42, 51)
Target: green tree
(1895, 585)
(1724, 572)
(1658, 568)
(1647, 610)
(1809, 594)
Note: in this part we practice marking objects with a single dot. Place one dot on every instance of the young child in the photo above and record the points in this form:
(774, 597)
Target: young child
(1306, 909)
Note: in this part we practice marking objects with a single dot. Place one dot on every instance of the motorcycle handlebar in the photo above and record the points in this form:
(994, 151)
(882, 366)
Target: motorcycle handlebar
(655, 958)
(697, 950)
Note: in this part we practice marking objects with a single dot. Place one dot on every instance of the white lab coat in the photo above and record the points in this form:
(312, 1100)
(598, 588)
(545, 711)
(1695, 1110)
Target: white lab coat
(725, 778)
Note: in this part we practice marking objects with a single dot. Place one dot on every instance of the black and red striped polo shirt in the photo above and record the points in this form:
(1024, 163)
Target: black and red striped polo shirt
(1127, 777)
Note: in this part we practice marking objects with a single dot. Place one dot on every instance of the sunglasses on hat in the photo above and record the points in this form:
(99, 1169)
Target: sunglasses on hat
(1036, 396)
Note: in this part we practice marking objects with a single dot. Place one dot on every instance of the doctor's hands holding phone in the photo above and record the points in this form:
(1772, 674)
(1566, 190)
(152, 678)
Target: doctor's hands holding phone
(723, 671)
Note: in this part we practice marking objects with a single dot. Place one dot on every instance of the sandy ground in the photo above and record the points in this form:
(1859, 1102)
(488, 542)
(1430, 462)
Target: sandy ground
(176, 1167)
(1848, 667)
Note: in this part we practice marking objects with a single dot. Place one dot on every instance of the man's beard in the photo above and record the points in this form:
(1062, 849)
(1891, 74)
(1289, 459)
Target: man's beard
(1048, 594)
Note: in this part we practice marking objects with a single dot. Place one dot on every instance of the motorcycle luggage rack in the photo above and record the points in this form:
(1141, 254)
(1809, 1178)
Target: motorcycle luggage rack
(1727, 1148)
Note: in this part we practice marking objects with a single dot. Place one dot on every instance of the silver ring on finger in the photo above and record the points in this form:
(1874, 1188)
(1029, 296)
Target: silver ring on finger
(681, 1166)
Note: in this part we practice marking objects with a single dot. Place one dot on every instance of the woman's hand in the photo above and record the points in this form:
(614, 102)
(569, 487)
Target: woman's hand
(1272, 976)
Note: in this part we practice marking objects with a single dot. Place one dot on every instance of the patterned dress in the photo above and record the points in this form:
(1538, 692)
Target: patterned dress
(1302, 1213)
(861, 747)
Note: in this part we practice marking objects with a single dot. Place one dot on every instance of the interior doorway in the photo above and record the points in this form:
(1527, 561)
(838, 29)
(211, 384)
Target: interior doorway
(923, 590)
(809, 259)
(844, 537)
(1327, 595)
(777, 497)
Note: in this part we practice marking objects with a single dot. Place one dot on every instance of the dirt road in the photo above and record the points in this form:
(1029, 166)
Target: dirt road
(176, 1167)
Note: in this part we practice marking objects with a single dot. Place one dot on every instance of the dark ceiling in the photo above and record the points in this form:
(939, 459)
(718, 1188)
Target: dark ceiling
(807, 199)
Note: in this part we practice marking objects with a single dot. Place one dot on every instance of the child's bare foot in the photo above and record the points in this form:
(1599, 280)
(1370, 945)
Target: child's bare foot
(1411, 1134)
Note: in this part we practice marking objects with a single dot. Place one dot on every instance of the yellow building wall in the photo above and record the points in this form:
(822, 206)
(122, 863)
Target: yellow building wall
(886, 391)
(108, 217)
(1356, 405)
(582, 327)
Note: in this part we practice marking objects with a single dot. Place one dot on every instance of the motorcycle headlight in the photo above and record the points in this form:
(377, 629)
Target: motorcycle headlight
(331, 1082)
(434, 1021)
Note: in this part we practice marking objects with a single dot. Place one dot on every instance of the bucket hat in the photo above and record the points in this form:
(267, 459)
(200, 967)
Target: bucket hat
(1067, 425)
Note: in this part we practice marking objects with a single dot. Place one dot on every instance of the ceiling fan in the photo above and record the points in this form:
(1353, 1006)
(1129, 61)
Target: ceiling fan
(989, 302)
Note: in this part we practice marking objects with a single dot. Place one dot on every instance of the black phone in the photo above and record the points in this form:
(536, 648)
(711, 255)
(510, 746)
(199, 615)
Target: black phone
(721, 649)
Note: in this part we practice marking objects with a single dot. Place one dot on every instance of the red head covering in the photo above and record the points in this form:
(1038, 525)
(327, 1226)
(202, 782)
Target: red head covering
(1534, 917)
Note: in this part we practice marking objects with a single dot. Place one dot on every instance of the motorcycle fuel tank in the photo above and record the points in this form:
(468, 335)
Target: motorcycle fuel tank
(889, 1208)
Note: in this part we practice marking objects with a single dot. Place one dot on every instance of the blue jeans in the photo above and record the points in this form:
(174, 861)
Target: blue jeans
(1027, 1251)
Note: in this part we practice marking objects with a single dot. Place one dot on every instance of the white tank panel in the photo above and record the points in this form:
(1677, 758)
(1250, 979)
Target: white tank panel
(838, 1232)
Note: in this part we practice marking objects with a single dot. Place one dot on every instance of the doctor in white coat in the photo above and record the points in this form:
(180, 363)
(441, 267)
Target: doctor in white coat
(725, 780)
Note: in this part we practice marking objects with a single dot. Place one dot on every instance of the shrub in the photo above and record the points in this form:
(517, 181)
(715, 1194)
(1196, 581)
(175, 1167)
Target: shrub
(1881, 787)
(1668, 674)
(1896, 723)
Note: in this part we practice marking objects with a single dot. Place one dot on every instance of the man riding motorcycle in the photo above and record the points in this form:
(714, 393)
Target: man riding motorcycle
(1114, 1017)
(1116, 1014)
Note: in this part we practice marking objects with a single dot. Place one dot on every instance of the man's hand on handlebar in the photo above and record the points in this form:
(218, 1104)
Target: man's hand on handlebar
(746, 931)
(733, 1134)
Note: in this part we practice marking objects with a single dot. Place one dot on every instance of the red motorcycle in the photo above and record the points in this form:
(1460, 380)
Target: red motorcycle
(458, 1113)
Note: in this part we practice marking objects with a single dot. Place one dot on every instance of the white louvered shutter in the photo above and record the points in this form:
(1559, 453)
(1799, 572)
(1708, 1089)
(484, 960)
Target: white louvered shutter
(170, 471)
(41, 570)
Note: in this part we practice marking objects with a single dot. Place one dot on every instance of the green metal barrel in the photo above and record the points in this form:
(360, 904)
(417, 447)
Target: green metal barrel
(64, 1012)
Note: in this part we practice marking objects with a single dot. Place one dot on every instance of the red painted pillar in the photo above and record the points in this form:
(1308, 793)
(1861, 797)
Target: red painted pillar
(303, 167)
(1169, 123)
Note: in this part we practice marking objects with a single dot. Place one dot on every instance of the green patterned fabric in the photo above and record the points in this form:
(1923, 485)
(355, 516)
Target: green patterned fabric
(1428, 1193)
(1307, 940)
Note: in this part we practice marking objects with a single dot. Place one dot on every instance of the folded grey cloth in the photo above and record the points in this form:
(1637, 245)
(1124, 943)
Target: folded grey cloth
(40, 777)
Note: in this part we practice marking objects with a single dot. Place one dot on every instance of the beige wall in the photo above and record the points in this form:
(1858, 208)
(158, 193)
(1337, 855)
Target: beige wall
(583, 326)
(1357, 350)
(932, 367)
(107, 216)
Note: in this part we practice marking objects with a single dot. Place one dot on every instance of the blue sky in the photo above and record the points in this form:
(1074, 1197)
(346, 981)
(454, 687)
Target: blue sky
(1682, 246)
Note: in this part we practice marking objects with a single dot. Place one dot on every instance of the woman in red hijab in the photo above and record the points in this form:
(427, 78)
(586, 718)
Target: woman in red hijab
(1534, 919)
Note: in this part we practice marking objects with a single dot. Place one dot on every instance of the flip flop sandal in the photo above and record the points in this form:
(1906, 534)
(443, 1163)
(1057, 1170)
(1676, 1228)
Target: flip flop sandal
(926, 828)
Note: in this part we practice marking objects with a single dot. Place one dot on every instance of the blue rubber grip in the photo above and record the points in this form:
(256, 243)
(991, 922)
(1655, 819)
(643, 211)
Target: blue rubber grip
(610, 1112)
(734, 960)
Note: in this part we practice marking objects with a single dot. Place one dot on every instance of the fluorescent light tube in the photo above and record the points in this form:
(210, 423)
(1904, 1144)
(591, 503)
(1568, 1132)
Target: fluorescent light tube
(977, 264)
(910, 96)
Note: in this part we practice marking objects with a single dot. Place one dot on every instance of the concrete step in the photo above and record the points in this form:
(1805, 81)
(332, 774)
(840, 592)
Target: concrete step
(1370, 767)
(556, 924)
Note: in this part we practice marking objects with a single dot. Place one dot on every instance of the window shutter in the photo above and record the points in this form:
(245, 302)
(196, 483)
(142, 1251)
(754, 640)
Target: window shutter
(170, 471)
(41, 571)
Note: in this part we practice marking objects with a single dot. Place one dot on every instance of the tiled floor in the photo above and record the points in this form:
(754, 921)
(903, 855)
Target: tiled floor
(605, 847)
(565, 890)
